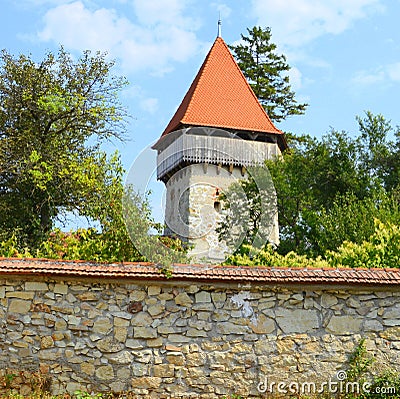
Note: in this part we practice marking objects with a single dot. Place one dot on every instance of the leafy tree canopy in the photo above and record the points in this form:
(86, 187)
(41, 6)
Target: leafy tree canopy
(54, 115)
(330, 190)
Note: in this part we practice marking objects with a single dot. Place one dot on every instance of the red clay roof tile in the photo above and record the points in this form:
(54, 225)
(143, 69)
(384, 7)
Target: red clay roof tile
(147, 271)
(221, 97)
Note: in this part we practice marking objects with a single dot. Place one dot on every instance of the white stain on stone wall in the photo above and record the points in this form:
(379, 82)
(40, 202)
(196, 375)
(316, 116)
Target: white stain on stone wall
(241, 300)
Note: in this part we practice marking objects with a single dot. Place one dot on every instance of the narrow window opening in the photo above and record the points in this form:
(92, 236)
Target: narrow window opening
(217, 206)
(217, 203)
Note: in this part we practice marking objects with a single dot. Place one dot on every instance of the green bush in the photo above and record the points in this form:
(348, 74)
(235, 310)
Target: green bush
(381, 250)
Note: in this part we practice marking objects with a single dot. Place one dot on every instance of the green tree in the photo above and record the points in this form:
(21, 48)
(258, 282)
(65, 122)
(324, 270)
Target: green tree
(54, 115)
(381, 159)
(329, 190)
(381, 250)
(350, 219)
(250, 210)
(127, 233)
(266, 72)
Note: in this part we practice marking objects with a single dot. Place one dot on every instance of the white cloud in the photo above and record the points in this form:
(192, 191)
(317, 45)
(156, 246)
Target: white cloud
(139, 96)
(297, 22)
(366, 78)
(157, 38)
(78, 28)
(149, 105)
(169, 12)
(386, 73)
(295, 78)
(223, 9)
(393, 71)
(36, 3)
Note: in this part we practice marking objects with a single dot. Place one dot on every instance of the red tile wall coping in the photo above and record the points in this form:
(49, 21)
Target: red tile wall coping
(216, 273)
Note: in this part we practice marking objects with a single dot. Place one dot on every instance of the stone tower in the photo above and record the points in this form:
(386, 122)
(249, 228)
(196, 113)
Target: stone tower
(218, 131)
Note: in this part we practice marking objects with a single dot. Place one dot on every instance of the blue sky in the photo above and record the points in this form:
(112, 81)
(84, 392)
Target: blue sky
(345, 54)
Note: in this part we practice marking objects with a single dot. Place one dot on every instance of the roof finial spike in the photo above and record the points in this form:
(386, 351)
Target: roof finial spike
(219, 25)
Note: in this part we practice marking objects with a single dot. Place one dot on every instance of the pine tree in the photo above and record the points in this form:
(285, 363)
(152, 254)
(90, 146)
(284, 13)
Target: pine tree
(265, 71)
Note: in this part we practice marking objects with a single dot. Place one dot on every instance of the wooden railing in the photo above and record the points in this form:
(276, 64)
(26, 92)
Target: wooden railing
(214, 150)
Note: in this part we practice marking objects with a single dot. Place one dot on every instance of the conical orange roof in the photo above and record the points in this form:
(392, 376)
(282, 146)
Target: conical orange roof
(221, 97)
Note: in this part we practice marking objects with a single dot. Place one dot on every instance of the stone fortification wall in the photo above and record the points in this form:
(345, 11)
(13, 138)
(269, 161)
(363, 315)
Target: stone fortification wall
(183, 339)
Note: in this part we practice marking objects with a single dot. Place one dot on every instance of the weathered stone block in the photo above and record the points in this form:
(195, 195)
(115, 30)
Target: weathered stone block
(146, 382)
(141, 319)
(118, 386)
(73, 320)
(24, 352)
(105, 373)
(221, 315)
(164, 370)
(108, 345)
(165, 296)
(88, 368)
(264, 347)
(206, 306)
(391, 322)
(137, 296)
(88, 296)
(144, 356)
(373, 325)
(229, 328)
(155, 343)
(19, 306)
(178, 338)
(172, 348)
(263, 325)
(14, 335)
(120, 333)
(183, 299)
(392, 314)
(165, 329)
(123, 357)
(391, 334)
(353, 303)
(102, 326)
(57, 336)
(20, 294)
(46, 342)
(153, 290)
(36, 286)
(193, 332)
(196, 359)
(133, 344)
(60, 289)
(60, 324)
(144, 332)
(175, 358)
(155, 310)
(66, 309)
(48, 354)
(202, 296)
(150, 301)
(123, 373)
(328, 300)
(296, 321)
(344, 325)
(122, 315)
(218, 297)
(73, 386)
(21, 344)
(119, 322)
